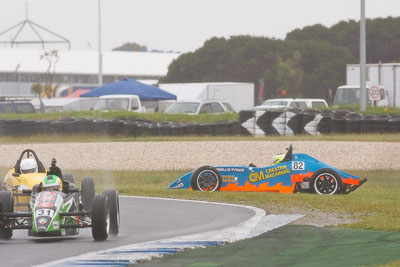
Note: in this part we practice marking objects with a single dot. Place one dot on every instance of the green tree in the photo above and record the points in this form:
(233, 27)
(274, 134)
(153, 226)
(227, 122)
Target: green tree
(131, 47)
(49, 90)
(310, 62)
(324, 65)
(290, 74)
(36, 89)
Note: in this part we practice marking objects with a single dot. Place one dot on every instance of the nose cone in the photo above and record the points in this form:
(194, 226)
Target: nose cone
(182, 182)
(176, 184)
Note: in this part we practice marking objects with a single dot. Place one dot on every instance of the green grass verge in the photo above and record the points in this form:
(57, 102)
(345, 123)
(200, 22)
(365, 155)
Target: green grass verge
(375, 205)
(155, 116)
(295, 245)
(158, 117)
(370, 110)
(120, 138)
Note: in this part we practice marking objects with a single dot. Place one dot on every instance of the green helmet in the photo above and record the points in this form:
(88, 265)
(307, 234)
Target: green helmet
(52, 182)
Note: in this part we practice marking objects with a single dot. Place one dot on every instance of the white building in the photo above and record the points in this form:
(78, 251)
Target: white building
(19, 68)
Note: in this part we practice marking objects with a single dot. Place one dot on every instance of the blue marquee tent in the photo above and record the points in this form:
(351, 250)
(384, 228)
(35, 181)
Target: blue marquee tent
(131, 87)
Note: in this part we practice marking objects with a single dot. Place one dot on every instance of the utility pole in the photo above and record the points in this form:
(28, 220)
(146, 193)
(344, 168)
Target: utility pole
(363, 68)
(100, 78)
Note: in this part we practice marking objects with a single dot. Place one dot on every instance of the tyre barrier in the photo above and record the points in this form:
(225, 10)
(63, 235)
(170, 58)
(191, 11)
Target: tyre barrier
(394, 124)
(111, 127)
(293, 122)
(253, 123)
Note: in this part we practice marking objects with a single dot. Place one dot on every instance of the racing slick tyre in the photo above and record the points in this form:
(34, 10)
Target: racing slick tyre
(87, 192)
(7, 206)
(68, 177)
(113, 207)
(100, 218)
(326, 182)
(206, 178)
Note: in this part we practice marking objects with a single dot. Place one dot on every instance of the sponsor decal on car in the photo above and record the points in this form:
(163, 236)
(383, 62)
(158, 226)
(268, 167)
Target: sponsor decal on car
(45, 205)
(230, 169)
(43, 221)
(229, 178)
(268, 173)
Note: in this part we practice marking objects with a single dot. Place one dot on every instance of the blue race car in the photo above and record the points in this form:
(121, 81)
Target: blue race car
(289, 173)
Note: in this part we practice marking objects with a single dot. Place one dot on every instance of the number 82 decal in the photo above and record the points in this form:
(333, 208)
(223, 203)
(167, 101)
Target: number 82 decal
(298, 165)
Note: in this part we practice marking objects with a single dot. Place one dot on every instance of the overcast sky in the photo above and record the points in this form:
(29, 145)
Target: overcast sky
(179, 25)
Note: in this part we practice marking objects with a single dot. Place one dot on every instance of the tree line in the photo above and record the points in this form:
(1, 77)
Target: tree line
(309, 62)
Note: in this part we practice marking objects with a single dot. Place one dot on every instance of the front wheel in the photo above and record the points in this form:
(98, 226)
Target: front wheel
(100, 218)
(7, 206)
(206, 178)
(326, 182)
(113, 207)
(69, 177)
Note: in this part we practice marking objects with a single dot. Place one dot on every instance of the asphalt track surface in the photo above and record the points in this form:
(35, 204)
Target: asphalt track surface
(142, 219)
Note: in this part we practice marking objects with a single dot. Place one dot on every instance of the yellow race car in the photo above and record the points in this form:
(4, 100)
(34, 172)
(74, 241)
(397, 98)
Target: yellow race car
(27, 172)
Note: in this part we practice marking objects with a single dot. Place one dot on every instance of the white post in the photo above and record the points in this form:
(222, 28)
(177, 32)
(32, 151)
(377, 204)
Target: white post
(363, 70)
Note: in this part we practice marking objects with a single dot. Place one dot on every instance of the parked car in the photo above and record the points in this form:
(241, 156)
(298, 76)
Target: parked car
(288, 103)
(119, 102)
(198, 106)
(16, 105)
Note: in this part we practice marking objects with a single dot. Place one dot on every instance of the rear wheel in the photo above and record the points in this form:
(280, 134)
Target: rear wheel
(326, 182)
(113, 207)
(206, 178)
(100, 218)
(69, 177)
(87, 192)
(7, 206)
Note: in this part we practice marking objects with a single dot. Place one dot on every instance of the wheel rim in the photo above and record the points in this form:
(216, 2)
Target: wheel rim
(207, 180)
(325, 184)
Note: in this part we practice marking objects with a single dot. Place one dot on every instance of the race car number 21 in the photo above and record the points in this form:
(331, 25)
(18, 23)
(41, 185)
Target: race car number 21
(298, 165)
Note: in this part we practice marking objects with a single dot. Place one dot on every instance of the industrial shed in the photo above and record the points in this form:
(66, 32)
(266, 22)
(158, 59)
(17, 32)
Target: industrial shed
(19, 68)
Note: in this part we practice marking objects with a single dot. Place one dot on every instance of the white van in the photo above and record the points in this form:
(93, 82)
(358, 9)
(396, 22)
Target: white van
(288, 103)
(350, 94)
(119, 102)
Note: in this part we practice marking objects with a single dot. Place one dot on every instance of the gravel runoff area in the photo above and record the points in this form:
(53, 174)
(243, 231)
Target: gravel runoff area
(192, 154)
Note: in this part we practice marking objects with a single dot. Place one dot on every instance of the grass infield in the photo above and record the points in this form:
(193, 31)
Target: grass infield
(374, 206)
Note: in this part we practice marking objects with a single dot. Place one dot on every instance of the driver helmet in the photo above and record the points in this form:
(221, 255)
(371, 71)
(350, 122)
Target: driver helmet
(52, 182)
(28, 165)
(277, 159)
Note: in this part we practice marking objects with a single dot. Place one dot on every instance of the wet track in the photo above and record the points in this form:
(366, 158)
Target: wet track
(142, 219)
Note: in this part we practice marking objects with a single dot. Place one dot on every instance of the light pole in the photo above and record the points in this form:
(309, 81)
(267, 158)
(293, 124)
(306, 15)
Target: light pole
(363, 70)
(17, 76)
(100, 78)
